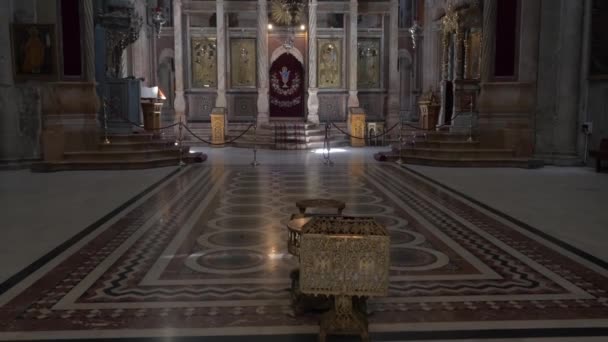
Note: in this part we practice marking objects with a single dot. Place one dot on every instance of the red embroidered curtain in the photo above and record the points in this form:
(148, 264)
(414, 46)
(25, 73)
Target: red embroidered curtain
(286, 87)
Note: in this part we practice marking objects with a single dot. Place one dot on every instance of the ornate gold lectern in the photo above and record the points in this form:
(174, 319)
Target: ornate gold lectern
(344, 257)
(218, 127)
(357, 127)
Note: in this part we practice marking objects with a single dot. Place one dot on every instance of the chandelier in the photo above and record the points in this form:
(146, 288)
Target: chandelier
(415, 32)
(287, 12)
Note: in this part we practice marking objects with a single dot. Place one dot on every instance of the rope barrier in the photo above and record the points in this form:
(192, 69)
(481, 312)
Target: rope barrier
(371, 137)
(106, 103)
(216, 144)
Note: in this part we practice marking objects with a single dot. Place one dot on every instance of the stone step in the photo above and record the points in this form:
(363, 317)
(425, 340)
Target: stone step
(124, 155)
(83, 164)
(454, 153)
(435, 136)
(461, 162)
(137, 145)
(445, 144)
(139, 137)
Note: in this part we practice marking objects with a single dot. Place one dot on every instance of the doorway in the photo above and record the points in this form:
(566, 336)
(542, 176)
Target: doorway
(286, 94)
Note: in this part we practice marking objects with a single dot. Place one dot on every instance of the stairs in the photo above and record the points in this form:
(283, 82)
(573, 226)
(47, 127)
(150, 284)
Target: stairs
(126, 151)
(449, 149)
(275, 135)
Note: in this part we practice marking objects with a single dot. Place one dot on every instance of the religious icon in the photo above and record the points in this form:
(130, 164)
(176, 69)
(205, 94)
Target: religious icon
(242, 62)
(284, 76)
(368, 64)
(33, 51)
(329, 63)
(204, 63)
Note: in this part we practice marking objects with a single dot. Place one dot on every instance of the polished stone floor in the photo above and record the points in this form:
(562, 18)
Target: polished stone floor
(201, 252)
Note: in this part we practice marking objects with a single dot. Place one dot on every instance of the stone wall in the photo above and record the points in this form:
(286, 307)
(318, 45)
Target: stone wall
(20, 104)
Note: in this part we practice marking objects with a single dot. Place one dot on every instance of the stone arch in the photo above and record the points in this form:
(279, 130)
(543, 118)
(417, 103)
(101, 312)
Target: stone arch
(282, 50)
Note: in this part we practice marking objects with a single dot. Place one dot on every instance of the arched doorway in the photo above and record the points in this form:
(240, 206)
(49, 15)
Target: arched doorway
(286, 87)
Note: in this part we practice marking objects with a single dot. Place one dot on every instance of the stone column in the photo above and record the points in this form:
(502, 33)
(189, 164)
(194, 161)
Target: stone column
(313, 100)
(458, 54)
(565, 120)
(220, 101)
(393, 72)
(262, 47)
(353, 101)
(445, 56)
(180, 103)
(89, 40)
(488, 46)
(6, 62)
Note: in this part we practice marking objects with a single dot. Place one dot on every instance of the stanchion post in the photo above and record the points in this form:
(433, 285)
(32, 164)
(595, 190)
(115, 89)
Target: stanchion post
(400, 160)
(106, 141)
(470, 139)
(326, 146)
(255, 163)
(180, 144)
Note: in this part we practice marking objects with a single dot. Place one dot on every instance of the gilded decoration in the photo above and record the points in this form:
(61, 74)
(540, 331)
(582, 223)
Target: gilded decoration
(217, 127)
(357, 130)
(348, 258)
(242, 62)
(330, 57)
(368, 63)
(473, 57)
(204, 63)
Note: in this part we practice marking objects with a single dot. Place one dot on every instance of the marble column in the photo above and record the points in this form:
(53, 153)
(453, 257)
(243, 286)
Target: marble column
(313, 100)
(353, 101)
(488, 46)
(6, 71)
(179, 103)
(393, 71)
(220, 101)
(262, 47)
(89, 40)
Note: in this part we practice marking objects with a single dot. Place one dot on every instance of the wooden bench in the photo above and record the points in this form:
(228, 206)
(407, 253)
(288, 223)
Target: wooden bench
(600, 154)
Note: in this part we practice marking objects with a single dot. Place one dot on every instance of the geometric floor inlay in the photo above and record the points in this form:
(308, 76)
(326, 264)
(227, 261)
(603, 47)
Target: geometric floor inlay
(205, 254)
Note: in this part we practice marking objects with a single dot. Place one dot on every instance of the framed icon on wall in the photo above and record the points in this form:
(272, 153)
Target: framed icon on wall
(34, 51)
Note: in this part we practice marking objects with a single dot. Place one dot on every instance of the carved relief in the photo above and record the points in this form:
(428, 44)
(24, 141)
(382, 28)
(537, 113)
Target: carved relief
(200, 105)
(204, 63)
(330, 58)
(331, 107)
(242, 62)
(368, 63)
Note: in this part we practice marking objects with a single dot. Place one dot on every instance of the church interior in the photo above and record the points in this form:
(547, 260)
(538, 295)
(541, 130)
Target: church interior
(301, 170)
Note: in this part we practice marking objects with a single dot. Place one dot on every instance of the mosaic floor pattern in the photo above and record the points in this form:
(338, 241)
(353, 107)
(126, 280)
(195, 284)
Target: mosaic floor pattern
(204, 254)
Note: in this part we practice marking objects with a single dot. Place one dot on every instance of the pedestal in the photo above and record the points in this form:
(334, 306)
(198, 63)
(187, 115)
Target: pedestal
(218, 127)
(357, 127)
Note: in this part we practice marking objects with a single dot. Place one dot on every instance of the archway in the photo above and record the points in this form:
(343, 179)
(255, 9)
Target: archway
(286, 87)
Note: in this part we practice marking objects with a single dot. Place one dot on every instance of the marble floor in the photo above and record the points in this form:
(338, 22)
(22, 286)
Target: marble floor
(201, 252)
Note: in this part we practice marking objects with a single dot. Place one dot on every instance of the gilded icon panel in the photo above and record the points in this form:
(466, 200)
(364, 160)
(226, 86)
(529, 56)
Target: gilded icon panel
(329, 72)
(473, 57)
(204, 63)
(368, 63)
(242, 62)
